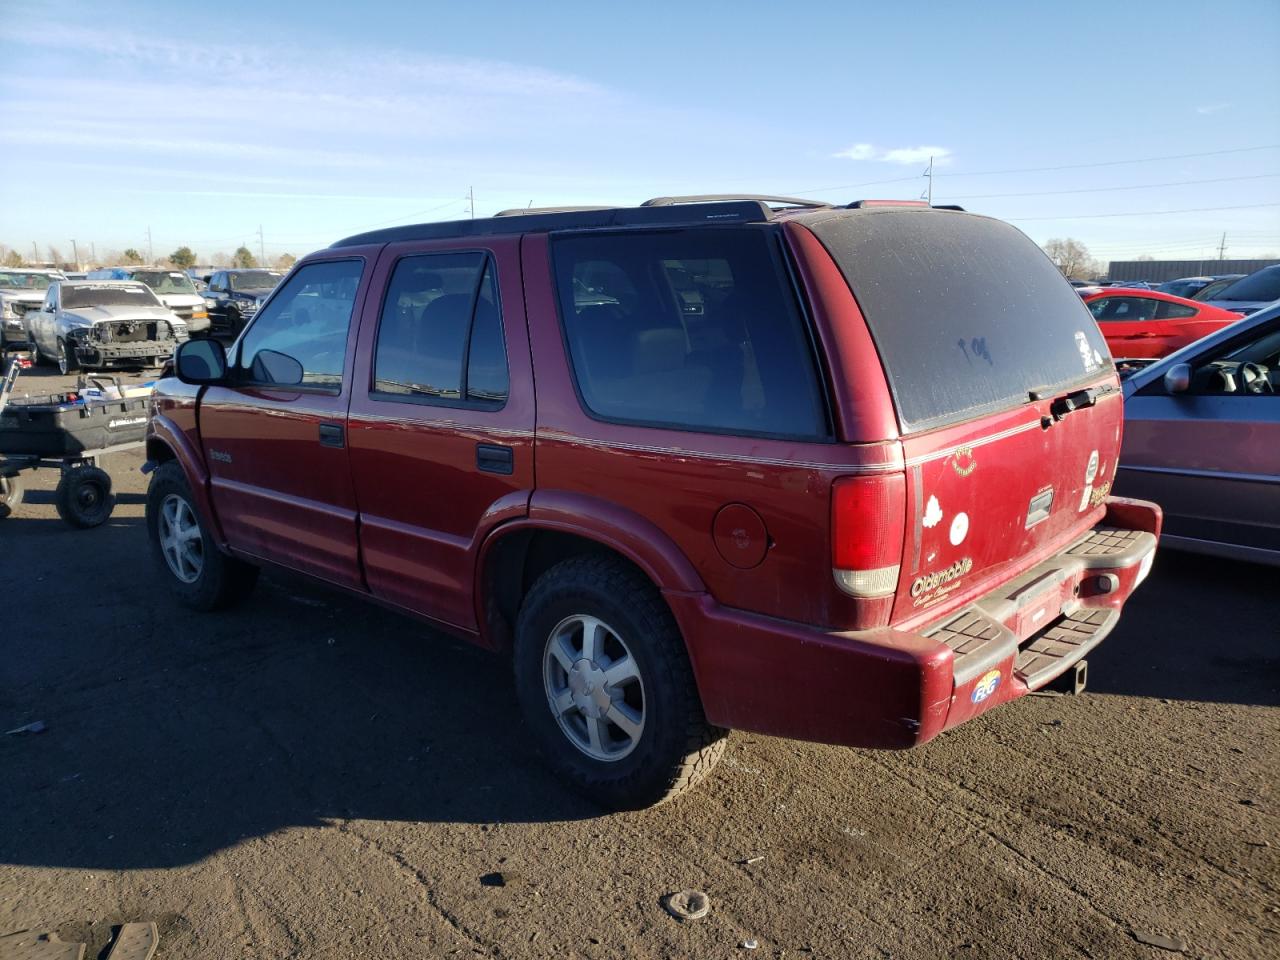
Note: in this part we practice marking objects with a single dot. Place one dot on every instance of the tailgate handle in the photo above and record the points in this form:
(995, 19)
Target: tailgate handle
(1073, 401)
(492, 458)
(331, 435)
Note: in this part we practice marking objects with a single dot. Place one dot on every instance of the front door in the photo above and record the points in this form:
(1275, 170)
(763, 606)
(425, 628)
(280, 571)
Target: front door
(1210, 456)
(441, 423)
(275, 440)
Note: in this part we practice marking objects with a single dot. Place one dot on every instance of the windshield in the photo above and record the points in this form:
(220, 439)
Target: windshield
(968, 315)
(108, 296)
(25, 281)
(165, 281)
(253, 279)
(1263, 285)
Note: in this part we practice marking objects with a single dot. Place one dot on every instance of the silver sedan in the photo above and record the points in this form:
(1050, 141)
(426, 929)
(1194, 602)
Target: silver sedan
(1202, 439)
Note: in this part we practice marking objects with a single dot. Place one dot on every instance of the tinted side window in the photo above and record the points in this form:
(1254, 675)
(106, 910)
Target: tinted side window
(440, 336)
(304, 325)
(1122, 309)
(696, 329)
(1174, 311)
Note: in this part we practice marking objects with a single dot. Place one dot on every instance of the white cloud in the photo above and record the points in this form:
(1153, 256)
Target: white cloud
(859, 151)
(899, 155)
(913, 155)
(1212, 108)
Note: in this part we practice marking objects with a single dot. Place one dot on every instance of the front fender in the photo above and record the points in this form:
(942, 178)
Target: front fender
(163, 430)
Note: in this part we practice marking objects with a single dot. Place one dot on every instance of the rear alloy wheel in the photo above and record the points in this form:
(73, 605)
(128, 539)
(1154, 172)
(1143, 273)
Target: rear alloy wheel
(83, 497)
(606, 687)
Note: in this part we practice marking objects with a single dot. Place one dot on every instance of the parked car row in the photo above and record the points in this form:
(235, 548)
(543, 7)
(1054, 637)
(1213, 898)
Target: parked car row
(75, 322)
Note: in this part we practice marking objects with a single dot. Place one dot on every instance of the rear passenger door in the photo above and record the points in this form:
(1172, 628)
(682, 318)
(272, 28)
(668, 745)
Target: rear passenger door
(441, 422)
(1126, 323)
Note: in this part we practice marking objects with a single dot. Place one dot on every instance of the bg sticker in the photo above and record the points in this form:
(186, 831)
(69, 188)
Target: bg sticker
(986, 686)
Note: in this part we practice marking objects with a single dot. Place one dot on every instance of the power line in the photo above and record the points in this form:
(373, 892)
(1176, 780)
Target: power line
(1144, 213)
(1136, 186)
(1065, 166)
(1115, 163)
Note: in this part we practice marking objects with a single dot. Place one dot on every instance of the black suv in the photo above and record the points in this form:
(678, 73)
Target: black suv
(234, 296)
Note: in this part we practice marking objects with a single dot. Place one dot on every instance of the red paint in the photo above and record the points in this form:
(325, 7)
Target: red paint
(735, 531)
(1158, 337)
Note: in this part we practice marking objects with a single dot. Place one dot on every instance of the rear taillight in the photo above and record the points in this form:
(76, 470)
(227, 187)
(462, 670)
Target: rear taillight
(868, 515)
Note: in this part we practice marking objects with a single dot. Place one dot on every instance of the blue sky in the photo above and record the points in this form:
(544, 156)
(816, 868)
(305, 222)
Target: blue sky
(317, 120)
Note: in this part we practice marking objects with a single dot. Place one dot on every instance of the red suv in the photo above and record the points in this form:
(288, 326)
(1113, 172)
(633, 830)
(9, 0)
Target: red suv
(833, 473)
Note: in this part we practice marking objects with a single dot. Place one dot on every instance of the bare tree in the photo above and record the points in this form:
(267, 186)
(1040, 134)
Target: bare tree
(12, 258)
(220, 259)
(55, 255)
(1071, 257)
(284, 261)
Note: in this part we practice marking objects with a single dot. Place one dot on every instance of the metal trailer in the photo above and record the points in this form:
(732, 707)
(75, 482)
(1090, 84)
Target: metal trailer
(72, 434)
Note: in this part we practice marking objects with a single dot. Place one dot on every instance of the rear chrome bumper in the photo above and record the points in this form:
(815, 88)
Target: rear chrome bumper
(894, 688)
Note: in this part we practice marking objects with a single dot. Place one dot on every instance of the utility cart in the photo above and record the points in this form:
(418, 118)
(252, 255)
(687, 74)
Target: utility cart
(70, 432)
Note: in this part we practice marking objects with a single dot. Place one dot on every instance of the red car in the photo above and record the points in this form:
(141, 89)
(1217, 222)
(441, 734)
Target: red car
(698, 464)
(1148, 325)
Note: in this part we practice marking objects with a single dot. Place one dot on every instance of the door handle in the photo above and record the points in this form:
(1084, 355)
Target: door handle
(492, 458)
(332, 435)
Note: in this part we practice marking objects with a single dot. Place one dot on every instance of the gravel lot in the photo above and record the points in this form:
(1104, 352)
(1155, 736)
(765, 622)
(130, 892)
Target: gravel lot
(309, 776)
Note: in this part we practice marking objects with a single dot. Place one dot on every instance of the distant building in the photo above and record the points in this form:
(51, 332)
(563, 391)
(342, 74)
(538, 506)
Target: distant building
(1161, 270)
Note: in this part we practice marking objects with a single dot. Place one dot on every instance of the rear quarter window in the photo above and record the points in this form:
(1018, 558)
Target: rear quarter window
(968, 315)
(691, 329)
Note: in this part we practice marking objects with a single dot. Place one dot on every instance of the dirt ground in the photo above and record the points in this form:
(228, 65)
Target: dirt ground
(308, 776)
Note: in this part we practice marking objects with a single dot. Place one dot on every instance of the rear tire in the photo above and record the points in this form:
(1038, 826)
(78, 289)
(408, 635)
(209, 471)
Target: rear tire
(200, 575)
(83, 497)
(651, 740)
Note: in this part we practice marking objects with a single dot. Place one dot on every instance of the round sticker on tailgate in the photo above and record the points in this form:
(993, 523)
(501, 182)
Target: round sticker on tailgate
(986, 686)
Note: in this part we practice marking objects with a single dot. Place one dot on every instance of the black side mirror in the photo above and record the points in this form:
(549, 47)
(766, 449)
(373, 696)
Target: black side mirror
(201, 362)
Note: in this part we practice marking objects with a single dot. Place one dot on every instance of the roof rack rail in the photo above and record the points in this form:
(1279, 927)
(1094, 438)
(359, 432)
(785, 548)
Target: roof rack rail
(591, 218)
(864, 204)
(534, 211)
(718, 197)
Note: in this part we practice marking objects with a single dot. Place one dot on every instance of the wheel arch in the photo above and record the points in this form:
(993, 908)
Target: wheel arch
(558, 527)
(166, 443)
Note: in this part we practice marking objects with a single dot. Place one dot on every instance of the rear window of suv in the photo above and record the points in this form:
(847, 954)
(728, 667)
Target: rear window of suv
(969, 316)
(695, 329)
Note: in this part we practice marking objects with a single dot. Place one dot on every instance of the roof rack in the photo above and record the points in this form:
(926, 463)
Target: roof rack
(688, 212)
(865, 204)
(533, 211)
(722, 197)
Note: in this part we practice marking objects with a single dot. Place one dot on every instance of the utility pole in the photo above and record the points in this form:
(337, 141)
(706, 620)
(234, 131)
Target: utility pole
(471, 201)
(35, 252)
(929, 173)
(1222, 247)
(93, 252)
(75, 252)
(262, 249)
(151, 258)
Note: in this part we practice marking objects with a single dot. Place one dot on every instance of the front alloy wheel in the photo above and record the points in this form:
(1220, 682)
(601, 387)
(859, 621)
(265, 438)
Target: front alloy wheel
(180, 541)
(594, 688)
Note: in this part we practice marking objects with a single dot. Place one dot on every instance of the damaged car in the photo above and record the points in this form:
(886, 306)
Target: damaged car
(21, 291)
(103, 324)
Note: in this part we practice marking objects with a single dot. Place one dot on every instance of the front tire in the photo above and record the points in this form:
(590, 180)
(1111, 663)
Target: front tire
(10, 494)
(606, 687)
(200, 575)
(67, 362)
